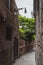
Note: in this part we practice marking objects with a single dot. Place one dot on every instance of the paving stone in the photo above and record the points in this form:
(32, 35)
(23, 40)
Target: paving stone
(27, 59)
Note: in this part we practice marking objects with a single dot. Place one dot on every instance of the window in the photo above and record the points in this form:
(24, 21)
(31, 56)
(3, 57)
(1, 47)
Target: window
(37, 4)
(6, 3)
(9, 4)
(34, 4)
(8, 33)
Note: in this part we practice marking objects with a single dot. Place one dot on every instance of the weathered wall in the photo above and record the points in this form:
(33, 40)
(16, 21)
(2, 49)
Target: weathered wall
(6, 46)
(22, 48)
(39, 32)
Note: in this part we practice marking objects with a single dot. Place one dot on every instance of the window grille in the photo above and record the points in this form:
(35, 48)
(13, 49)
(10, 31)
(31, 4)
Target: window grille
(8, 33)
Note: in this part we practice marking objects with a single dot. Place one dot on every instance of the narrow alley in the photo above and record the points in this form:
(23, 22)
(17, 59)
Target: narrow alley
(27, 59)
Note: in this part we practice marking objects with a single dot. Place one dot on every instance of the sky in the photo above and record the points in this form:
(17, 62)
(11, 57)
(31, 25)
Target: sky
(28, 4)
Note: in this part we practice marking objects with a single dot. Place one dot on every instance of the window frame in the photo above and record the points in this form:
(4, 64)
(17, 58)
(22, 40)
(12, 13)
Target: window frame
(8, 35)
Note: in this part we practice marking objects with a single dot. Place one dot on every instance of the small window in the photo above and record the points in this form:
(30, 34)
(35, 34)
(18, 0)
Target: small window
(8, 4)
(37, 4)
(34, 4)
(8, 33)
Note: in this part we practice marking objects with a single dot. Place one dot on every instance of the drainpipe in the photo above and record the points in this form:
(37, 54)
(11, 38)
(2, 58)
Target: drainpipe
(40, 22)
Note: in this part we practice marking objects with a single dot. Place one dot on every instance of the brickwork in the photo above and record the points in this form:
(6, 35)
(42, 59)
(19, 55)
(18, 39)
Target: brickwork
(22, 47)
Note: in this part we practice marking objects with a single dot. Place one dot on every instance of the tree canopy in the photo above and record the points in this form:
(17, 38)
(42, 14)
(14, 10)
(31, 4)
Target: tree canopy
(26, 27)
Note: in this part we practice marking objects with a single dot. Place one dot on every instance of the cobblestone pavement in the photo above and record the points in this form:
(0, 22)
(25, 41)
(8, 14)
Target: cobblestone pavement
(27, 59)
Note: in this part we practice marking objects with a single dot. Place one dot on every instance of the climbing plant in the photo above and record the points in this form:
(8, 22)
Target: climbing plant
(27, 28)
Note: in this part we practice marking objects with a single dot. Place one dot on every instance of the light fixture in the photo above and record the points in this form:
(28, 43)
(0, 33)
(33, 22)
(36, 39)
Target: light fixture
(17, 10)
(25, 11)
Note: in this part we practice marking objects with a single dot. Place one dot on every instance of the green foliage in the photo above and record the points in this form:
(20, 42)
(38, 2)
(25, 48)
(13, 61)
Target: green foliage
(29, 36)
(21, 31)
(26, 27)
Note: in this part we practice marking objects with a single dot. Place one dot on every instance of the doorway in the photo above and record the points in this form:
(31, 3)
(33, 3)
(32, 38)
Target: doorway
(15, 47)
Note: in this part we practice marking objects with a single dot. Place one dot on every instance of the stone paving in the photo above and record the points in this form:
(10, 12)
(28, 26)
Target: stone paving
(27, 59)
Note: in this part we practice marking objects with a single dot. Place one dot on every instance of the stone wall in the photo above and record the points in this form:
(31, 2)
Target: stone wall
(22, 48)
(39, 32)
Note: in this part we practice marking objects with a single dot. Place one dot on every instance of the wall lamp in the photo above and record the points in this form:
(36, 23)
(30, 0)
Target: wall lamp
(17, 10)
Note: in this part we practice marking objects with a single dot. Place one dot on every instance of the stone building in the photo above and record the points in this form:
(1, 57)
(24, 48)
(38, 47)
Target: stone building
(38, 14)
(9, 34)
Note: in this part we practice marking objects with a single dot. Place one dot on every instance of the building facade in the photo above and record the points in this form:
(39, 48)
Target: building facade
(38, 14)
(9, 34)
